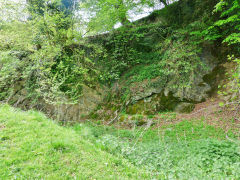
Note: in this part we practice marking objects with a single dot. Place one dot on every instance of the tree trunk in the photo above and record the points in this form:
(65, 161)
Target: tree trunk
(164, 2)
(122, 12)
(124, 21)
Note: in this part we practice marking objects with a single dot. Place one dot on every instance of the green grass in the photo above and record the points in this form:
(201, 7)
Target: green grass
(186, 150)
(33, 147)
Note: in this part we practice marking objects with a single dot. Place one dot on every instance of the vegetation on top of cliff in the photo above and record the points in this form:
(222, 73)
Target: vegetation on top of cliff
(55, 60)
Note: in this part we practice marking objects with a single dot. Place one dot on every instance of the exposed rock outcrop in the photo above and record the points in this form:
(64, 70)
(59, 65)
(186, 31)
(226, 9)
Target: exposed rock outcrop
(151, 96)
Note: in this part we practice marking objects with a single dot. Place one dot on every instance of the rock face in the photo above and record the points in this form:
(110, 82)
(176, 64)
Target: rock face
(156, 95)
(61, 112)
(20, 96)
(76, 112)
(146, 97)
(152, 104)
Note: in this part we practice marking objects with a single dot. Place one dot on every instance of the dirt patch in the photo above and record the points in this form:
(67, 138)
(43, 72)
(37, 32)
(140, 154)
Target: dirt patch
(226, 117)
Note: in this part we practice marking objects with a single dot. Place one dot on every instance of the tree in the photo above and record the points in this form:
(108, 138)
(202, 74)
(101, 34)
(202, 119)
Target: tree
(155, 2)
(58, 67)
(105, 14)
(228, 26)
(12, 10)
(164, 2)
(38, 6)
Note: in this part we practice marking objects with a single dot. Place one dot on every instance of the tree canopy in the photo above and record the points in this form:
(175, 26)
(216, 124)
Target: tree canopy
(105, 14)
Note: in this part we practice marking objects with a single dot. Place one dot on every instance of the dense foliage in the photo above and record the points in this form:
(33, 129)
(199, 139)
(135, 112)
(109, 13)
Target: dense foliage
(53, 50)
(227, 28)
(106, 14)
(55, 67)
(55, 61)
(178, 151)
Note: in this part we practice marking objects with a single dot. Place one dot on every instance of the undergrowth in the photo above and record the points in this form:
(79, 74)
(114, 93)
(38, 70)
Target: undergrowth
(34, 147)
(182, 151)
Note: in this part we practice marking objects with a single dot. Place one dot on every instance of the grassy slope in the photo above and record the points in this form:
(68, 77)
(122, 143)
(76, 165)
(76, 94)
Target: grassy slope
(191, 149)
(31, 146)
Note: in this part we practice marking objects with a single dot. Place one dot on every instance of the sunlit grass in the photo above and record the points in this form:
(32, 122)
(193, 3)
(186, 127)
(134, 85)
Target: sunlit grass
(34, 147)
(190, 149)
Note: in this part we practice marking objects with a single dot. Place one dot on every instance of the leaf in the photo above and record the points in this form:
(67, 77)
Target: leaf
(221, 104)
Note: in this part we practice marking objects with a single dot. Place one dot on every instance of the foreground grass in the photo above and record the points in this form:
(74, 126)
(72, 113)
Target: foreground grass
(186, 150)
(33, 147)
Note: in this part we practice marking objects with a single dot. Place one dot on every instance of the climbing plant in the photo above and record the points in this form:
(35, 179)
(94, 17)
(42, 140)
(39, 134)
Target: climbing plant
(227, 28)
(55, 66)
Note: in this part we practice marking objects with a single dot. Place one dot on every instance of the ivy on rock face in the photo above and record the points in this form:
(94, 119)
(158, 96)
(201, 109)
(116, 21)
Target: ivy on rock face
(56, 67)
(60, 61)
